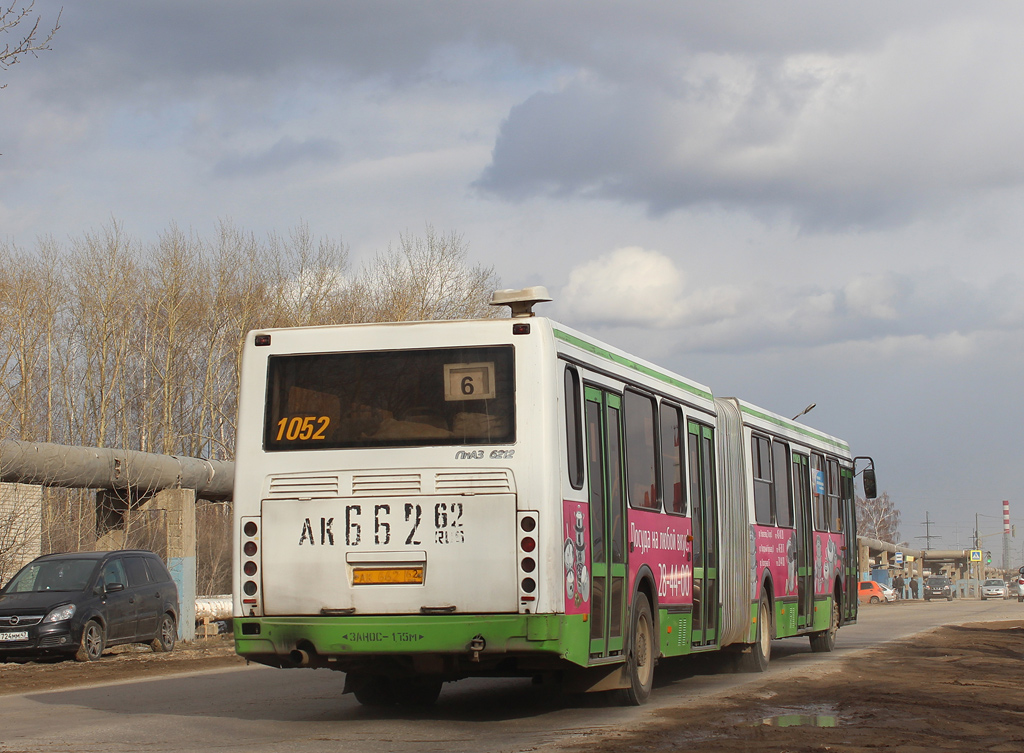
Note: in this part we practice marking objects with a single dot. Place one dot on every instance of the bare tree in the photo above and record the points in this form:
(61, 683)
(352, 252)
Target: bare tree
(11, 17)
(878, 518)
(213, 548)
(426, 278)
(112, 342)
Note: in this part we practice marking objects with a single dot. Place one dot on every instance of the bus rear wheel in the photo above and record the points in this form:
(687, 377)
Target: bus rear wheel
(756, 657)
(418, 692)
(640, 661)
(372, 690)
(825, 640)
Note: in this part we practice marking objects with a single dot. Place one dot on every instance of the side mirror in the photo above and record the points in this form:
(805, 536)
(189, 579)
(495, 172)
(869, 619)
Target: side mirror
(114, 587)
(870, 486)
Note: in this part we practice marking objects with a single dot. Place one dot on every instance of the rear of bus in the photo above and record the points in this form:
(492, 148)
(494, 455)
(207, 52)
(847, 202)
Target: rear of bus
(395, 501)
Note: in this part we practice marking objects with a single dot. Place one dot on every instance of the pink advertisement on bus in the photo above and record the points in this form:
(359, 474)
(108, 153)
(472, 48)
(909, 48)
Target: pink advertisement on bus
(828, 561)
(576, 556)
(775, 551)
(662, 543)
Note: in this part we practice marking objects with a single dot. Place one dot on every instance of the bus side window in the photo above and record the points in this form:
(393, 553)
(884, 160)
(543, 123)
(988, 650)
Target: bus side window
(761, 464)
(640, 441)
(819, 488)
(835, 523)
(783, 493)
(672, 485)
(573, 427)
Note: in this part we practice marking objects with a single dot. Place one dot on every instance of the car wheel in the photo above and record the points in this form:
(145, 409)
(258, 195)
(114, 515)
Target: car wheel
(640, 660)
(165, 635)
(949, 598)
(874, 599)
(93, 642)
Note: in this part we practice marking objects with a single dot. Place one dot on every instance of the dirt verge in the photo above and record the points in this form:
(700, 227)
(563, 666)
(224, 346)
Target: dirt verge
(120, 663)
(956, 688)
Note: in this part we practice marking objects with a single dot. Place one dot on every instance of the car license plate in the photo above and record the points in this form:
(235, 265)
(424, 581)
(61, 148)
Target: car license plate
(15, 635)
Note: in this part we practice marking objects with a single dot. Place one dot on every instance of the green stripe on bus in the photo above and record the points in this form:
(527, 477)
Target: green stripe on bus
(630, 364)
(795, 427)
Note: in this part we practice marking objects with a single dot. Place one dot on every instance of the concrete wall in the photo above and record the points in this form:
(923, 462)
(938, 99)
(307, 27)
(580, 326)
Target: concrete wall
(21, 522)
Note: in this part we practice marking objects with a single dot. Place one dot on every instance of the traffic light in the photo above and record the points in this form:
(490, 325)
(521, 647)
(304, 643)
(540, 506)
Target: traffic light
(988, 558)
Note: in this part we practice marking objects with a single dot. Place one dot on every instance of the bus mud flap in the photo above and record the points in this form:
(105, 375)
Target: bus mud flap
(595, 679)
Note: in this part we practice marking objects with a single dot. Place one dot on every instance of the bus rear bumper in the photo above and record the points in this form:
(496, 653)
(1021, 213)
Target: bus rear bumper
(449, 643)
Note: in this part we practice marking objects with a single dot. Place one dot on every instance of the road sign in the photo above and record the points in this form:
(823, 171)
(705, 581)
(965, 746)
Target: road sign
(975, 555)
(898, 558)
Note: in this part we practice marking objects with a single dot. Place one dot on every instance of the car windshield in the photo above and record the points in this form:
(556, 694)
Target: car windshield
(53, 575)
(994, 583)
(936, 581)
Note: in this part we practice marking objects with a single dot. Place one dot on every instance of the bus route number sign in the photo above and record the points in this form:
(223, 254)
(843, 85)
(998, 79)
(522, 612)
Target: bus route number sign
(469, 381)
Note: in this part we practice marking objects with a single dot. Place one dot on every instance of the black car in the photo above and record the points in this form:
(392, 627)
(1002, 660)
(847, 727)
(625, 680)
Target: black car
(938, 587)
(80, 603)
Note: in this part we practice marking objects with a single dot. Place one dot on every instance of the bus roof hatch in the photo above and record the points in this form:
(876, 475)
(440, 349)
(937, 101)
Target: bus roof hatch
(521, 301)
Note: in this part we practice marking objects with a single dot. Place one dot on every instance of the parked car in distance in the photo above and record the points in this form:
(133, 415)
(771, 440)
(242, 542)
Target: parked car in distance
(993, 588)
(1015, 588)
(869, 592)
(938, 587)
(78, 604)
(890, 592)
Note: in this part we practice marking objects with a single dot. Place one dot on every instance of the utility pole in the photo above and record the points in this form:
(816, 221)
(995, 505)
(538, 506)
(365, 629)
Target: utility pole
(1006, 536)
(928, 531)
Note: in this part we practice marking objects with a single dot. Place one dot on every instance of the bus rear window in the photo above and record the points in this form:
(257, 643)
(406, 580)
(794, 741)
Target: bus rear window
(453, 396)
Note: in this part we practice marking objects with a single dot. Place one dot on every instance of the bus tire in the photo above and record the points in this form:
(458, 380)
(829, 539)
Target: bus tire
(372, 690)
(641, 657)
(825, 640)
(756, 658)
(416, 692)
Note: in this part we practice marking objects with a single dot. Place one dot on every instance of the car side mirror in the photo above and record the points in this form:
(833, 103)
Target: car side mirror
(114, 587)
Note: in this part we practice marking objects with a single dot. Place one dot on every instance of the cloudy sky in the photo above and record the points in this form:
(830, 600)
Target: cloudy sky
(790, 202)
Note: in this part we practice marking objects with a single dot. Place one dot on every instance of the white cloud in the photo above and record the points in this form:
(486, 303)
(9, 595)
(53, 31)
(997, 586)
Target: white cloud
(873, 296)
(632, 286)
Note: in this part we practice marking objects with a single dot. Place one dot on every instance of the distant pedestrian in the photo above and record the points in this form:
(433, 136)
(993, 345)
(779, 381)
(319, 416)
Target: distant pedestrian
(899, 586)
(913, 588)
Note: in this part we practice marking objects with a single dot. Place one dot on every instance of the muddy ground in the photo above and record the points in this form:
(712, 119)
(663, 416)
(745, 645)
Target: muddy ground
(956, 688)
(120, 663)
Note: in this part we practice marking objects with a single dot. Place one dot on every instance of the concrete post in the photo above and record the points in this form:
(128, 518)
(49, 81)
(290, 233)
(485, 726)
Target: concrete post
(180, 505)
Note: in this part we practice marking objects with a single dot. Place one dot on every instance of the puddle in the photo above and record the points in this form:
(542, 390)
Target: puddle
(802, 720)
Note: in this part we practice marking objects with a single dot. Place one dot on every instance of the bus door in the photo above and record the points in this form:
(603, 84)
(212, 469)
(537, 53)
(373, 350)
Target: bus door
(804, 541)
(607, 522)
(700, 448)
(850, 565)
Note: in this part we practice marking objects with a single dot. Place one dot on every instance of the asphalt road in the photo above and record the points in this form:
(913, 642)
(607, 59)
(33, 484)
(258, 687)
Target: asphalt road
(261, 709)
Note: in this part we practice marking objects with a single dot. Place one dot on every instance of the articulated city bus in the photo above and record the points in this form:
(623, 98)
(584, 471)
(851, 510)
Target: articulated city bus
(421, 502)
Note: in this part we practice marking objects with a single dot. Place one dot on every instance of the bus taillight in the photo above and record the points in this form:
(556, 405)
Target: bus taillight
(527, 564)
(250, 565)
